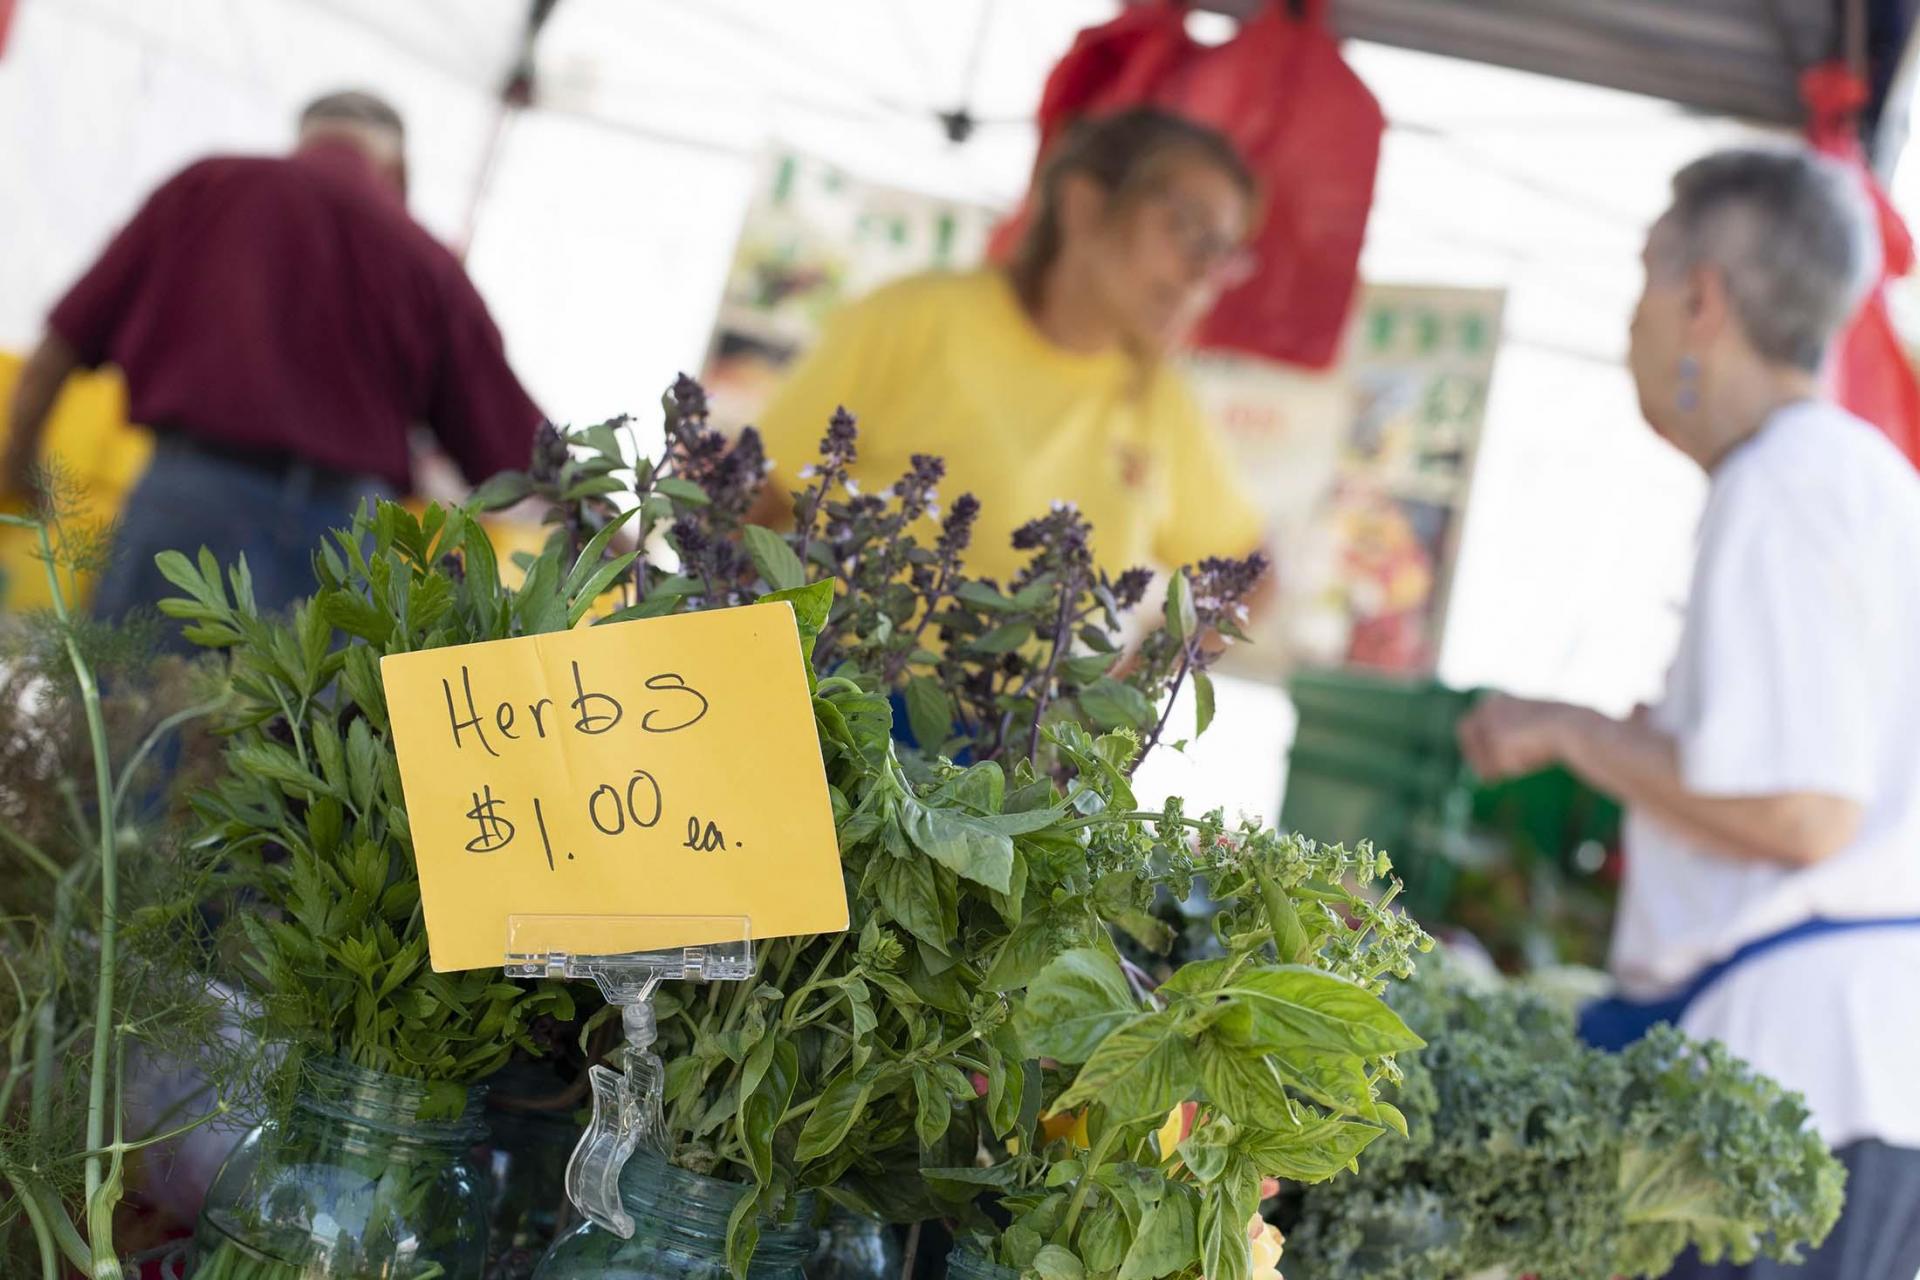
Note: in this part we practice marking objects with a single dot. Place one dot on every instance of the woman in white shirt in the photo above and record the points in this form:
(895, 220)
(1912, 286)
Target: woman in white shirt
(1772, 893)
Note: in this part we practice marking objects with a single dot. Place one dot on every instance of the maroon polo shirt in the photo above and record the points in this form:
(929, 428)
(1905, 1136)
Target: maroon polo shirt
(289, 306)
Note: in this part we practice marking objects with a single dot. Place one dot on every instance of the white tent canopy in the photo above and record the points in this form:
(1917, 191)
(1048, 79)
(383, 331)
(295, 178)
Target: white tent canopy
(601, 232)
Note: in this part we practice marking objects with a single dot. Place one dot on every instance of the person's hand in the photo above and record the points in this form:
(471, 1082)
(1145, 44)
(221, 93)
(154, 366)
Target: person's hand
(1503, 737)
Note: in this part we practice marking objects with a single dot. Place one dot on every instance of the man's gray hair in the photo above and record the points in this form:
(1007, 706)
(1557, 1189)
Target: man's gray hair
(354, 106)
(1791, 232)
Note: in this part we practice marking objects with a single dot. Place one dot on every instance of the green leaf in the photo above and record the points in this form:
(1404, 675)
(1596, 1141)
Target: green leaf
(1074, 1004)
(1202, 702)
(593, 554)
(1006, 1086)
(1115, 705)
(1311, 1152)
(598, 582)
(982, 596)
(1104, 1237)
(834, 1115)
(967, 845)
(1003, 639)
(812, 606)
(1055, 1263)
(933, 1110)
(743, 1232)
(180, 571)
(682, 490)
(1139, 1071)
(1169, 1235)
(1206, 1151)
(502, 490)
(762, 1104)
(1224, 1247)
(1293, 1006)
(275, 763)
(1087, 668)
(1180, 617)
(929, 713)
(1334, 1080)
(907, 891)
(1023, 954)
(593, 487)
(1242, 1083)
(774, 558)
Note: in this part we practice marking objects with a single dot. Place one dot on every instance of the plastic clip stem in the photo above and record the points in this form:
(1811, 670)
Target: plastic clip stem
(627, 1103)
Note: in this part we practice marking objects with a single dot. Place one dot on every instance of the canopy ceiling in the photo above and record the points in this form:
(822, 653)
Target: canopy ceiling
(1730, 57)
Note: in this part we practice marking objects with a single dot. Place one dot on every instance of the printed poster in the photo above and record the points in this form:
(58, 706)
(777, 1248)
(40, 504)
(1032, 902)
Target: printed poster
(1365, 473)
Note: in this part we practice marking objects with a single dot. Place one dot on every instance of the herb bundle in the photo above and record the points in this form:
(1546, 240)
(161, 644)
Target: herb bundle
(984, 894)
(977, 890)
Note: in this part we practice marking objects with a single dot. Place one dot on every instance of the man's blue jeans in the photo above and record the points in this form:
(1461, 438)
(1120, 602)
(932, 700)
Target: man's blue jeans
(192, 498)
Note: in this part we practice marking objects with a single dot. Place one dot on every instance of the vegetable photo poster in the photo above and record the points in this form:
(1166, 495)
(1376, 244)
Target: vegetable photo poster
(815, 236)
(1364, 473)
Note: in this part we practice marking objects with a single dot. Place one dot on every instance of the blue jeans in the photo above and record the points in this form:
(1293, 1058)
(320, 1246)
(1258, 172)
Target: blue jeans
(191, 498)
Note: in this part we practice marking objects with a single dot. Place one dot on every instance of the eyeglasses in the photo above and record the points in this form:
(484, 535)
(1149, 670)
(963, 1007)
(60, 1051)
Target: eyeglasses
(1222, 259)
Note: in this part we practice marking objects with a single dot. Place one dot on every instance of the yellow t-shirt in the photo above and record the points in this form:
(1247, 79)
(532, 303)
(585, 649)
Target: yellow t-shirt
(950, 365)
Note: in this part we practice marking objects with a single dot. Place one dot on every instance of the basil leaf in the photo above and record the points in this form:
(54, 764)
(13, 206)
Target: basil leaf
(1293, 1006)
(838, 1109)
(1242, 1084)
(1073, 1004)
(1003, 639)
(1056, 1263)
(967, 845)
(933, 1110)
(1169, 1235)
(1311, 1152)
(1114, 705)
(762, 1106)
(1181, 621)
(773, 558)
(1139, 1071)
(929, 713)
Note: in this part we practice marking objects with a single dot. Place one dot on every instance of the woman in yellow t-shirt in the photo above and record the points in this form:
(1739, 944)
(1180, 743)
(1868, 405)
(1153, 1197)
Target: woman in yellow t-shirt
(1044, 381)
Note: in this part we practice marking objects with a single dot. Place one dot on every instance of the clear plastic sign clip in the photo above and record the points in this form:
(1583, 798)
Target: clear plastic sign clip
(627, 1113)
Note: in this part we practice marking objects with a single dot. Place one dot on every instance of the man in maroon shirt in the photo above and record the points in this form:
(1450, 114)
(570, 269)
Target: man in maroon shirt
(282, 324)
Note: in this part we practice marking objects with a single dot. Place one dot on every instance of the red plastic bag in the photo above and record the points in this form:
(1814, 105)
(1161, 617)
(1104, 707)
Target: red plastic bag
(1303, 120)
(1868, 371)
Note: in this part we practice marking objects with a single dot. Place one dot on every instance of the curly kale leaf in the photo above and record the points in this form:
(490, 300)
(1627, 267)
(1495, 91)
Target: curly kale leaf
(1716, 1155)
(1531, 1152)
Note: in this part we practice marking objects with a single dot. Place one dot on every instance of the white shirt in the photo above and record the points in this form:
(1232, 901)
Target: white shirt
(1798, 670)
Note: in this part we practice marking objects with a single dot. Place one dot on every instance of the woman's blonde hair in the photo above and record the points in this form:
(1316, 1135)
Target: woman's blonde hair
(1127, 155)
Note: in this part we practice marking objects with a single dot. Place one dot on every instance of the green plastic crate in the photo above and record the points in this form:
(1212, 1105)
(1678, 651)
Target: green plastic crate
(1374, 758)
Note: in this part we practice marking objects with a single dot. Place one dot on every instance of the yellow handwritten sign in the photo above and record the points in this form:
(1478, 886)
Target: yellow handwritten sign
(661, 768)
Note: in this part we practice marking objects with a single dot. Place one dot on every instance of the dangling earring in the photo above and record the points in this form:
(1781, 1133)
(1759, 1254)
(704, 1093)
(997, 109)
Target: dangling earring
(1687, 398)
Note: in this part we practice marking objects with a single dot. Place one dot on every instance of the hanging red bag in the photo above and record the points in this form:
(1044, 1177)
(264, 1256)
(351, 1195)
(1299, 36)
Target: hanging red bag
(1303, 120)
(1868, 371)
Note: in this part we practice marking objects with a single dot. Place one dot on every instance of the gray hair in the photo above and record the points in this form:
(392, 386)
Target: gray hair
(354, 106)
(1792, 234)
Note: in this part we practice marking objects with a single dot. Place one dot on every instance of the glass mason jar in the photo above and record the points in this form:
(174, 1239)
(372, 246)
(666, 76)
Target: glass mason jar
(353, 1185)
(529, 1167)
(964, 1264)
(680, 1232)
(853, 1247)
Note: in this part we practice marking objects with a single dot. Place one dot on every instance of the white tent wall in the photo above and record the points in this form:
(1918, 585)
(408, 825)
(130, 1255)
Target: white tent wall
(610, 213)
(100, 100)
(610, 210)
